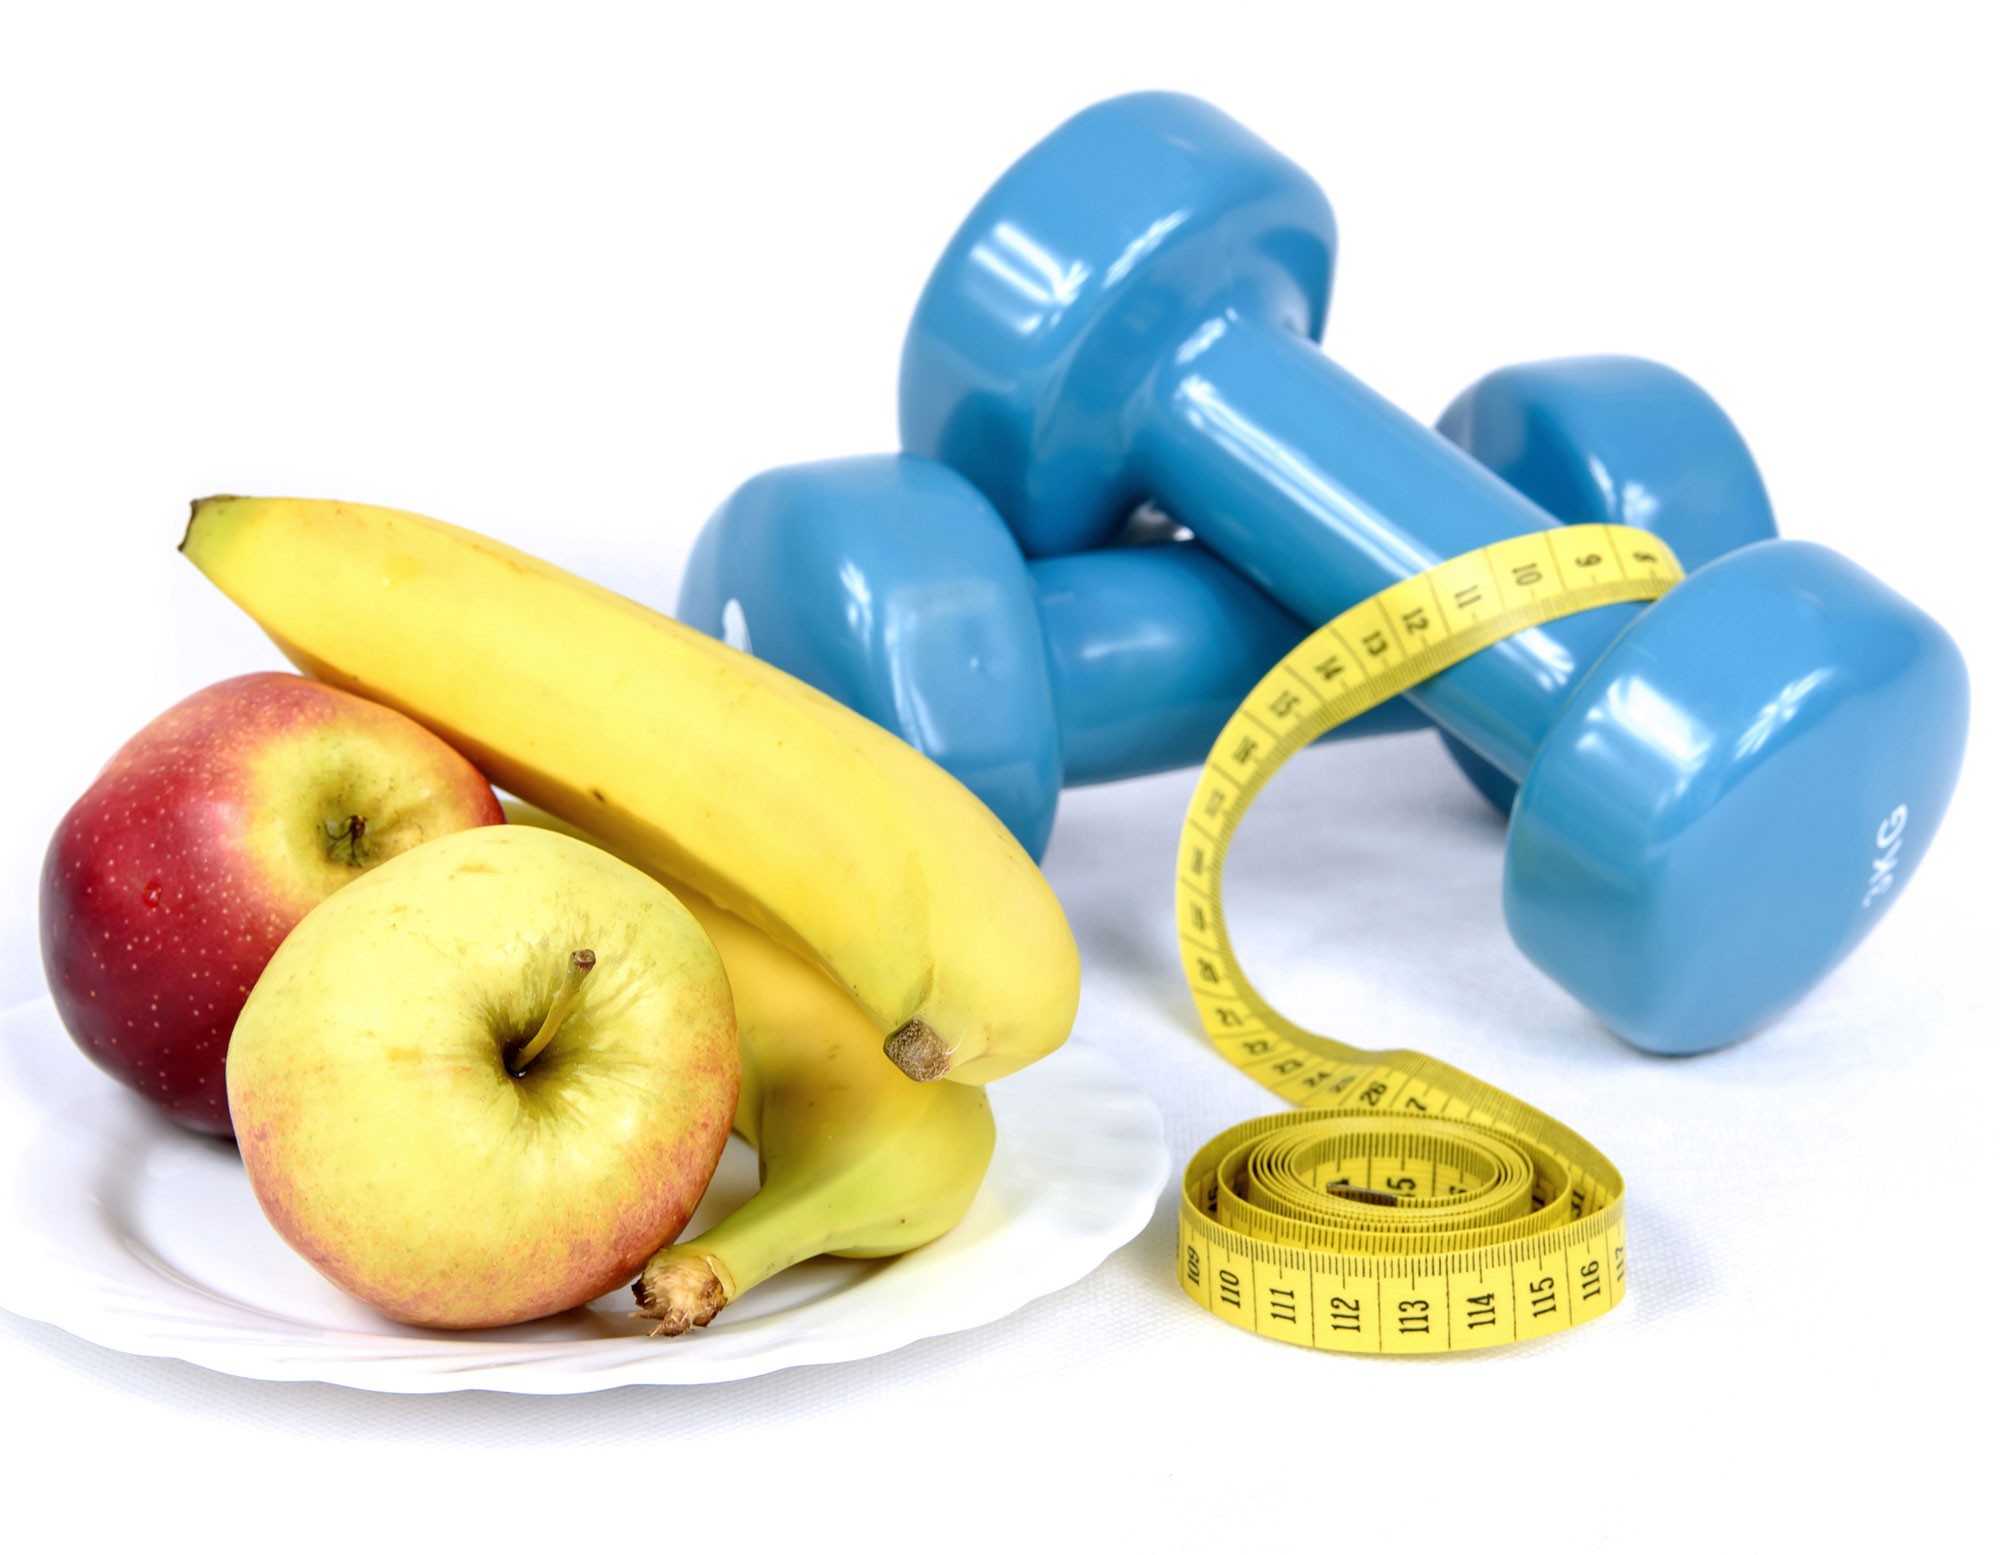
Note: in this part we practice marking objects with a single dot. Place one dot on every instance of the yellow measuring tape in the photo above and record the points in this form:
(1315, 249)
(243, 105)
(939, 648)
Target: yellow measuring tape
(1424, 1210)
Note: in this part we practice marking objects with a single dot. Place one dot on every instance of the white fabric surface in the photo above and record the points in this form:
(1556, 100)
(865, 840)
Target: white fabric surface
(571, 278)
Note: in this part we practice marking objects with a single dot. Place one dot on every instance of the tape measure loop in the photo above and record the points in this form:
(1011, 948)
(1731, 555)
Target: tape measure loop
(1412, 1208)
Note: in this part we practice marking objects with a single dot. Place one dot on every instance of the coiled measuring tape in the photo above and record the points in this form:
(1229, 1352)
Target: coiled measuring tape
(1411, 1208)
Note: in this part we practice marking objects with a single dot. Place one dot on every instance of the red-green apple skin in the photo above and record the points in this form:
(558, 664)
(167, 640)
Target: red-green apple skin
(384, 1132)
(210, 833)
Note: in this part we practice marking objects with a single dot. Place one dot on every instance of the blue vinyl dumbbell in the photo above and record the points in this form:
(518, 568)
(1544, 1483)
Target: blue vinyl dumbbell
(1022, 678)
(892, 585)
(1721, 793)
(1611, 440)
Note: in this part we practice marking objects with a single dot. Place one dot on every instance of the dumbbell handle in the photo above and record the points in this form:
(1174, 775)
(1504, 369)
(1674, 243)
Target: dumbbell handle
(1150, 648)
(1324, 493)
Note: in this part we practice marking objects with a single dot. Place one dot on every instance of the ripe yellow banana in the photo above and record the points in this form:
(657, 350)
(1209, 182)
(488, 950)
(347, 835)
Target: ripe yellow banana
(855, 1158)
(815, 825)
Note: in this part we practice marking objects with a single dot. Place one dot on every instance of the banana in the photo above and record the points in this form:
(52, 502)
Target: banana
(800, 816)
(856, 1159)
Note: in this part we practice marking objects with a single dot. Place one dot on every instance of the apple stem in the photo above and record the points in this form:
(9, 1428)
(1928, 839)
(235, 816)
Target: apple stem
(580, 963)
(346, 835)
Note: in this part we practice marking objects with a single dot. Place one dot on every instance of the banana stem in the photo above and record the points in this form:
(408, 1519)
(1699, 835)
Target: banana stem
(683, 1288)
(911, 1180)
(918, 1051)
(580, 963)
(913, 1187)
(795, 1215)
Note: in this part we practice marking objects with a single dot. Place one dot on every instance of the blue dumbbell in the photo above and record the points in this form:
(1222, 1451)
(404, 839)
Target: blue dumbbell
(1611, 440)
(1721, 793)
(892, 585)
(1119, 662)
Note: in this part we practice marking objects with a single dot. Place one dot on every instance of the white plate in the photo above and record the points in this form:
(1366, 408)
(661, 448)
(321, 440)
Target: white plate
(138, 1236)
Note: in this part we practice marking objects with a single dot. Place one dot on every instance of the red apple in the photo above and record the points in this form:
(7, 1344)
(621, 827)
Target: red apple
(213, 830)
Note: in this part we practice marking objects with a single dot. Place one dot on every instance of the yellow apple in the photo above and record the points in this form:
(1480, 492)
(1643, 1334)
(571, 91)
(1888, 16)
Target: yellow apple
(487, 1080)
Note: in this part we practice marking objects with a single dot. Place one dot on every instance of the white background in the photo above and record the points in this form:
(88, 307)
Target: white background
(569, 275)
